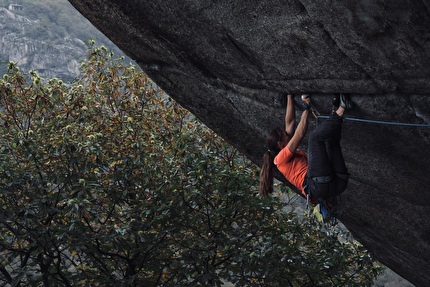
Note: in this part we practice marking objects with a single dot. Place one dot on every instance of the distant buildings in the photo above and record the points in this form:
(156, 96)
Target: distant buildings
(15, 7)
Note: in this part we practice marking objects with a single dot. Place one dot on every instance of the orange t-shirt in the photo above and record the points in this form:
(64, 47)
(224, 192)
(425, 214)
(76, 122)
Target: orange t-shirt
(293, 165)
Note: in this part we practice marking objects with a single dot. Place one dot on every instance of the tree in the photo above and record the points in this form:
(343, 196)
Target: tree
(108, 182)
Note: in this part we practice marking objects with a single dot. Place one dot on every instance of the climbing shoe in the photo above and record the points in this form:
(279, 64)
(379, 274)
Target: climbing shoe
(336, 101)
(346, 102)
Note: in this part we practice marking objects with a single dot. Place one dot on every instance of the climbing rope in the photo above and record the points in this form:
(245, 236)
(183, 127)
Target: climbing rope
(376, 122)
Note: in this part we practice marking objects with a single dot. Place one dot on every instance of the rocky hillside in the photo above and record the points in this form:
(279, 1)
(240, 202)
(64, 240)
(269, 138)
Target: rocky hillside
(50, 58)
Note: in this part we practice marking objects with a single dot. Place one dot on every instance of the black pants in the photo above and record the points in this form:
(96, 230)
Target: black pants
(327, 173)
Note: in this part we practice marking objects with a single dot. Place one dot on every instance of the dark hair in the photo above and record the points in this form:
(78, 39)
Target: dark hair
(266, 173)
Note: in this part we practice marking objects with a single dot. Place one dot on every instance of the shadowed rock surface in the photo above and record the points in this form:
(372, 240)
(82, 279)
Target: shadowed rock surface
(230, 62)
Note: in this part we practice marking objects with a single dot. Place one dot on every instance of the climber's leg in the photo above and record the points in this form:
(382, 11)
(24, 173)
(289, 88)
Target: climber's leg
(319, 167)
(334, 152)
(327, 171)
(318, 159)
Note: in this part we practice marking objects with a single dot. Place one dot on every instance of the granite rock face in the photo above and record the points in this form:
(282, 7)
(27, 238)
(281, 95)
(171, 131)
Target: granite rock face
(230, 62)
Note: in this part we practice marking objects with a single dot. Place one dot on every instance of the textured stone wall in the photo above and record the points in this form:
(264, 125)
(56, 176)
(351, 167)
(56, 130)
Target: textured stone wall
(230, 62)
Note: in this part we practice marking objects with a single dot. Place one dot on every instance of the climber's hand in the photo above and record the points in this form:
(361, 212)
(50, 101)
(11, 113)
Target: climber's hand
(306, 102)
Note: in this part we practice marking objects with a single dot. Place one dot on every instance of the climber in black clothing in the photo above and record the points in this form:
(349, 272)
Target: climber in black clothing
(322, 173)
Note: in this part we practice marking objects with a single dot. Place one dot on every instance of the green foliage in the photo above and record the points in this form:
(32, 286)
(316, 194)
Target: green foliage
(106, 182)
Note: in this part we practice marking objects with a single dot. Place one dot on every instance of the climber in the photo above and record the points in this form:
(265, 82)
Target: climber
(321, 173)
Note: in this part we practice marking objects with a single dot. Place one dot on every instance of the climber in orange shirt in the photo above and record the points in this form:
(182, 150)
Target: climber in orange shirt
(321, 173)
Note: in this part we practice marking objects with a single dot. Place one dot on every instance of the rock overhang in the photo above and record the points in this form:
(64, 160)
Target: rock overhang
(230, 62)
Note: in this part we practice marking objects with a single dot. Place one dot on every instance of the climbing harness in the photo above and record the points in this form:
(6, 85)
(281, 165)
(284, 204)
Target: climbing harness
(322, 179)
(321, 211)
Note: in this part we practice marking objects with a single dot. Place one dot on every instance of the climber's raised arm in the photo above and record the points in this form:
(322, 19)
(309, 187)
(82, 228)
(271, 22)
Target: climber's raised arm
(300, 132)
(290, 116)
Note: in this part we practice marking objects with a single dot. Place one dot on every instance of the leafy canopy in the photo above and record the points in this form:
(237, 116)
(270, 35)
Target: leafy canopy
(107, 182)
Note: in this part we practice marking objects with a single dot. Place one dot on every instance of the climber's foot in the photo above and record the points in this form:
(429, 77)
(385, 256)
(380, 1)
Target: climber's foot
(343, 103)
(335, 102)
(346, 102)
